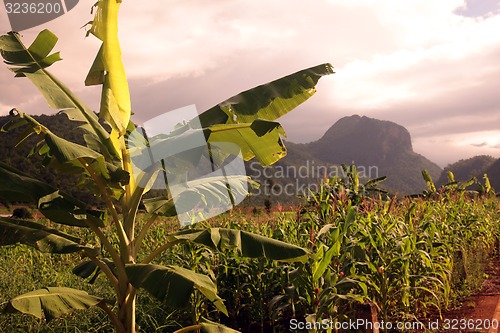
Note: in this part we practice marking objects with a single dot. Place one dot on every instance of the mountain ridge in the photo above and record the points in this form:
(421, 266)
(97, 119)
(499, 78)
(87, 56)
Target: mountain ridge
(474, 167)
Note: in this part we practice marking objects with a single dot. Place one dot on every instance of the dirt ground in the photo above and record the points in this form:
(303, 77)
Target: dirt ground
(478, 309)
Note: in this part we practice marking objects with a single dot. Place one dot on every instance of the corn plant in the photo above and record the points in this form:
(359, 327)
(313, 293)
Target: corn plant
(399, 254)
(327, 283)
(106, 165)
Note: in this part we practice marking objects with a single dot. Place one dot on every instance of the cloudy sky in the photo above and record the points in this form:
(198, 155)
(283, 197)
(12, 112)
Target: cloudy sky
(431, 66)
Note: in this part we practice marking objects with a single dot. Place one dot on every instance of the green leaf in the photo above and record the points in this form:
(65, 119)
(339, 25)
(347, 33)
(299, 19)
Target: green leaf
(40, 237)
(372, 183)
(210, 190)
(248, 244)
(173, 285)
(85, 269)
(97, 70)
(52, 302)
(57, 206)
(334, 251)
(69, 157)
(32, 62)
(31, 59)
(468, 183)
(65, 151)
(89, 267)
(255, 110)
(487, 184)
(115, 101)
(354, 178)
(260, 139)
(268, 101)
(428, 179)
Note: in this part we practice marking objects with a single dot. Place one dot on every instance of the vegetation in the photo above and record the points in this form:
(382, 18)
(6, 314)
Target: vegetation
(22, 213)
(407, 257)
(62, 127)
(106, 164)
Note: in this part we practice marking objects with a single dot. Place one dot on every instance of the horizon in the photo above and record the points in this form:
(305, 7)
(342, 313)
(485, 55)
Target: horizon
(430, 67)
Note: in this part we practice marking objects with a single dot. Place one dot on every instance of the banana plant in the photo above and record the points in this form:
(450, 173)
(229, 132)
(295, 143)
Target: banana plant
(106, 166)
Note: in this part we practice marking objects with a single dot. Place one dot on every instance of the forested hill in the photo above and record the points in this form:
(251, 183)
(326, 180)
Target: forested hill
(476, 166)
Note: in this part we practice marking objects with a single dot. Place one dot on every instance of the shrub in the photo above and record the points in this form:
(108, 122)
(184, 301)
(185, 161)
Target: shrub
(22, 213)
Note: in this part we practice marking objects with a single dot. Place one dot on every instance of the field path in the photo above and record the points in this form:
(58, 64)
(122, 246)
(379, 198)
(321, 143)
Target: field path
(483, 305)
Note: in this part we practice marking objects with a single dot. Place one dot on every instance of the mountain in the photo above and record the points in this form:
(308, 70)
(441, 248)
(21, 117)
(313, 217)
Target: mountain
(362, 140)
(383, 147)
(476, 166)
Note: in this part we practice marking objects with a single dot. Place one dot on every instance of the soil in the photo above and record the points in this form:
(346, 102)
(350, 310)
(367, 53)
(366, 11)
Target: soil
(478, 309)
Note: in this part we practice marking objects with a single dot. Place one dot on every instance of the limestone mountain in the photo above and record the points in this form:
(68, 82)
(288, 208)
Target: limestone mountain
(362, 140)
(371, 143)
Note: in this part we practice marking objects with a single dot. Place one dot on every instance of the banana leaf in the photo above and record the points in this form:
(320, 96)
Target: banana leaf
(173, 285)
(89, 267)
(57, 206)
(248, 244)
(32, 62)
(52, 302)
(42, 238)
(268, 101)
(211, 191)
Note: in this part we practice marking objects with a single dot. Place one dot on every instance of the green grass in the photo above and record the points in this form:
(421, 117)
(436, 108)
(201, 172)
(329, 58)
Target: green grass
(23, 269)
